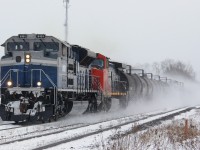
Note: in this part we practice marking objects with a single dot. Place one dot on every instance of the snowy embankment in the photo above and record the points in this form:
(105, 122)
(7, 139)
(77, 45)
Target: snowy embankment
(103, 140)
(79, 136)
(181, 132)
(41, 135)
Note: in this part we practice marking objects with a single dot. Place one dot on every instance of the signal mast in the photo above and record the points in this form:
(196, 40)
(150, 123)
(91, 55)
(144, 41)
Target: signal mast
(66, 2)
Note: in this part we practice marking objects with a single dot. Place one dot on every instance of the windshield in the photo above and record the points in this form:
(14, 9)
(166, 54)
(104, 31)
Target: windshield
(47, 46)
(18, 46)
(98, 63)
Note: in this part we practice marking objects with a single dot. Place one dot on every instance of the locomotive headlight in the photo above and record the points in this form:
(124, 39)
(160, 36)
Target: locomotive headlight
(39, 83)
(9, 83)
(28, 58)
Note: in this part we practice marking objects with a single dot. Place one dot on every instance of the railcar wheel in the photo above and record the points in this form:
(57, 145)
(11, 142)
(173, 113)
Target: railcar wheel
(124, 101)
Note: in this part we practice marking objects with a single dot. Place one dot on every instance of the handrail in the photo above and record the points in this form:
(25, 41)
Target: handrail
(47, 76)
(44, 74)
(6, 76)
(91, 84)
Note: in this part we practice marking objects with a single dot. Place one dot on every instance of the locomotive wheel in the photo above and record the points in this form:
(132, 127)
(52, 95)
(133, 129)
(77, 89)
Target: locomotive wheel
(105, 105)
(57, 114)
(55, 117)
(51, 119)
(68, 107)
(8, 116)
(92, 106)
(42, 119)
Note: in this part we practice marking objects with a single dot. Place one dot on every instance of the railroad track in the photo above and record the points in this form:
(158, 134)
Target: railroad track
(24, 132)
(44, 138)
(8, 126)
(43, 130)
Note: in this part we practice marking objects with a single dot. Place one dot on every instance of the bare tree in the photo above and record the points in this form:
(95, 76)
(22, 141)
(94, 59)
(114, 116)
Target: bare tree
(178, 68)
(156, 67)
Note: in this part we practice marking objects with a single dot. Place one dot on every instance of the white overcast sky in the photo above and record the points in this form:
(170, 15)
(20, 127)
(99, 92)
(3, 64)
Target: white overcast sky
(132, 31)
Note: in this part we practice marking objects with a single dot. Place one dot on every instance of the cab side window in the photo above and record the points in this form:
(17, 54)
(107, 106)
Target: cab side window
(107, 63)
(64, 50)
(70, 53)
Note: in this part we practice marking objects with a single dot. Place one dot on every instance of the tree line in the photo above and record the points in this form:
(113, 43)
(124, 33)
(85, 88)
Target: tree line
(171, 67)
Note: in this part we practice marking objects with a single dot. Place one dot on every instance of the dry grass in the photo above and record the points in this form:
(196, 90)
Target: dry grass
(173, 136)
(180, 133)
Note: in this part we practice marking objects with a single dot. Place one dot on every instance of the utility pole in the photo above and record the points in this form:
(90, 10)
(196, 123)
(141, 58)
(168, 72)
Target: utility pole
(66, 2)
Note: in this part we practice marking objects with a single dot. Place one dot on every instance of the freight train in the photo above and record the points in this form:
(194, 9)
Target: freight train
(44, 78)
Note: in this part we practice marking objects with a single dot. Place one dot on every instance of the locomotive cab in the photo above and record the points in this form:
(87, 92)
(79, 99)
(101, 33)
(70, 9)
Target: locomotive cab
(100, 68)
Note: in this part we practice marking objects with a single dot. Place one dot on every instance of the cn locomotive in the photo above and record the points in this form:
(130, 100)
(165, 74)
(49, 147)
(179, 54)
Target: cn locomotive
(43, 78)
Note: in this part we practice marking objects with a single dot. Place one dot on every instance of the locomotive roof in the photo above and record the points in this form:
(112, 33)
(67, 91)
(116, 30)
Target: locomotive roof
(34, 36)
(3, 44)
(86, 56)
(119, 65)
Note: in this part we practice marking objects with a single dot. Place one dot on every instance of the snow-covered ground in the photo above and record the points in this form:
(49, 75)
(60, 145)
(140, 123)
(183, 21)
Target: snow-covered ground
(168, 135)
(103, 140)
(40, 135)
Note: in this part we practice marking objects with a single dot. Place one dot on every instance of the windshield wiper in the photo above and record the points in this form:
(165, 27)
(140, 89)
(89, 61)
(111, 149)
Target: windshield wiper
(43, 43)
(55, 44)
(26, 43)
(14, 42)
